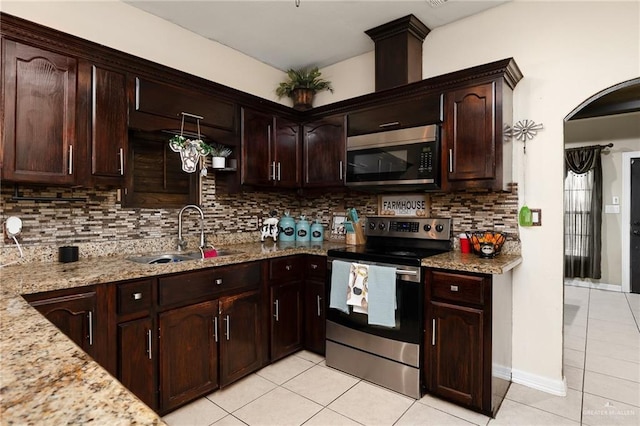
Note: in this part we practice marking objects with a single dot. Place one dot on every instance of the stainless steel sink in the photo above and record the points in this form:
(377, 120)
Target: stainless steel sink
(178, 257)
(166, 257)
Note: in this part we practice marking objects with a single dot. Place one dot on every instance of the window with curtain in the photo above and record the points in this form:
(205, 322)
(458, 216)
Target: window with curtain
(583, 212)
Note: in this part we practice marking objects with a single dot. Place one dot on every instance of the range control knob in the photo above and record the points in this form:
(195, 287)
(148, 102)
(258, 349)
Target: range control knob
(427, 228)
(439, 228)
(372, 225)
(382, 226)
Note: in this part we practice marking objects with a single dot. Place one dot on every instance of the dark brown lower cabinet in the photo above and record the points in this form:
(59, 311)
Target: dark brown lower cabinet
(314, 316)
(286, 319)
(188, 353)
(456, 362)
(73, 314)
(467, 338)
(240, 332)
(137, 354)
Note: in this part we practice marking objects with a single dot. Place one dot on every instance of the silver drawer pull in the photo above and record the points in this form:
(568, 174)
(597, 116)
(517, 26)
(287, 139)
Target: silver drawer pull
(314, 266)
(454, 288)
(218, 281)
(288, 267)
(136, 296)
(393, 123)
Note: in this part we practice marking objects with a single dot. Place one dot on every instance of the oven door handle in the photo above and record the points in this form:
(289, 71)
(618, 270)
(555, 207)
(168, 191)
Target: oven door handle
(405, 272)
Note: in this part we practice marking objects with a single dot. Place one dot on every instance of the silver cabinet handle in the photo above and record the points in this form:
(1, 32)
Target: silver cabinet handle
(121, 155)
(215, 328)
(442, 107)
(450, 160)
(454, 288)
(288, 267)
(393, 123)
(433, 332)
(314, 266)
(273, 170)
(277, 316)
(149, 343)
(218, 281)
(90, 318)
(136, 296)
(279, 171)
(70, 159)
(228, 320)
(318, 298)
(340, 165)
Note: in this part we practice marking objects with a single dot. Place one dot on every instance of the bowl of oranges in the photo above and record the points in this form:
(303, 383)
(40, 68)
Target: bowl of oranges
(486, 243)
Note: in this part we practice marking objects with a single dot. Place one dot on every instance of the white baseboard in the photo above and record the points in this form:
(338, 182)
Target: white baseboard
(544, 384)
(501, 372)
(589, 284)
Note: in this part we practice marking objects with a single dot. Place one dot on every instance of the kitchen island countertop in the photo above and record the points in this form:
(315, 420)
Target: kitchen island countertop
(43, 375)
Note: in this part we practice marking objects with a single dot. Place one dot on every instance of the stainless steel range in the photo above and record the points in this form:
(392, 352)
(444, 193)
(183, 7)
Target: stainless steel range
(390, 354)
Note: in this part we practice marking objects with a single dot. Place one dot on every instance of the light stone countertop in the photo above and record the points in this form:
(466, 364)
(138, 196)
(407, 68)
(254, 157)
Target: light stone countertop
(43, 375)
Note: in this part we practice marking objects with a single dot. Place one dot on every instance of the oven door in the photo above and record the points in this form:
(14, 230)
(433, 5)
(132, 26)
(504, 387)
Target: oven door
(408, 315)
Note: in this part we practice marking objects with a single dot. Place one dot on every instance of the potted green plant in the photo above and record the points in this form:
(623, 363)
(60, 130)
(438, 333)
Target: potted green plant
(301, 86)
(219, 153)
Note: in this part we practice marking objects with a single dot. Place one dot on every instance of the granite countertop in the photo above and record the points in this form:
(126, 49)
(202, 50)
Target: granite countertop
(45, 375)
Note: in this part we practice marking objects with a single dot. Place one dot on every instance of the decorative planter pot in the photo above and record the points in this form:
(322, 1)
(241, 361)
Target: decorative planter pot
(302, 99)
(218, 162)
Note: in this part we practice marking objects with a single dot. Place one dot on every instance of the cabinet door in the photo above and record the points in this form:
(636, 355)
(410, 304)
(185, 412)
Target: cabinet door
(314, 315)
(456, 349)
(188, 353)
(469, 144)
(137, 359)
(286, 319)
(74, 315)
(257, 161)
(108, 123)
(39, 129)
(240, 336)
(324, 152)
(287, 154)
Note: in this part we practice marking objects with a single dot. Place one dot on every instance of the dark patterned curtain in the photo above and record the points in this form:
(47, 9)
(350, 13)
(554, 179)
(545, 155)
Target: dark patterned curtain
(583, 212)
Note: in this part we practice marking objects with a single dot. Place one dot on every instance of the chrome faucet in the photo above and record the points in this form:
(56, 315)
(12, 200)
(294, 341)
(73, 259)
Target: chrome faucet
(182, 243)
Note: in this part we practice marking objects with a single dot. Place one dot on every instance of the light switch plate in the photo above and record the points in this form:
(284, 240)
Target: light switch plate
(536, 217)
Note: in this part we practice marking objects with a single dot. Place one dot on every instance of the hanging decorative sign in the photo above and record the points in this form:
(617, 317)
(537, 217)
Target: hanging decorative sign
(404, 205)
(190, 149)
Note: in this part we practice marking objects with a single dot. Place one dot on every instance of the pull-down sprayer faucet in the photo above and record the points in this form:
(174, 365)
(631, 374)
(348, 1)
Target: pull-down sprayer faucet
(182, 243)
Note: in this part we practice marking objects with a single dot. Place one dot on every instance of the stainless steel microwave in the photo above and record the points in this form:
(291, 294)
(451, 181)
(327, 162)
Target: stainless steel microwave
(395, 160)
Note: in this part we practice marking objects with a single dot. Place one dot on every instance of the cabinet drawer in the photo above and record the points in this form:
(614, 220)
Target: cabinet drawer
(286, 268)
(457, 287)
(185, 287)
(316, 266)
(134, 296)
(244, 276)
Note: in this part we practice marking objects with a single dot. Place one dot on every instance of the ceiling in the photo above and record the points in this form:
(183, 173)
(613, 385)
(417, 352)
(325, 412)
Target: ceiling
(316, 33)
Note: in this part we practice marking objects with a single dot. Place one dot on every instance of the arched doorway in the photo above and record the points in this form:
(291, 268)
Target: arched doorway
(613, 116)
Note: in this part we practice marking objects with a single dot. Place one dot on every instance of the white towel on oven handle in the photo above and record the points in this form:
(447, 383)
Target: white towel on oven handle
(382, 296)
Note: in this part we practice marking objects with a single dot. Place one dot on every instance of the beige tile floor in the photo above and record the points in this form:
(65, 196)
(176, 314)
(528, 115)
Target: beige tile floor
(601, 364)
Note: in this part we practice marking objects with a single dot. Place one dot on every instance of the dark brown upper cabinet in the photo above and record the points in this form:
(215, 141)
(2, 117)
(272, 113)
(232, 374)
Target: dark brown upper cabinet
(108, 122)
(39, 132)
(475, 153)
(324, 152)
(270, 150)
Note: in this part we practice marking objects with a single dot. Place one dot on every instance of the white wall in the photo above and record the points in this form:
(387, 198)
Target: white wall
(125, 28)
(567, 52)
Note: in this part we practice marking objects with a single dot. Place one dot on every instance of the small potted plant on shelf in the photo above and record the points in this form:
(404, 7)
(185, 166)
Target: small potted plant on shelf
(301, 86)
(219, 153)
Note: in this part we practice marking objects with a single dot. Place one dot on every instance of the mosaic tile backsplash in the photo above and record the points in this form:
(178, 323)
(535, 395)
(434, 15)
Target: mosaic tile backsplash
(100, 226)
